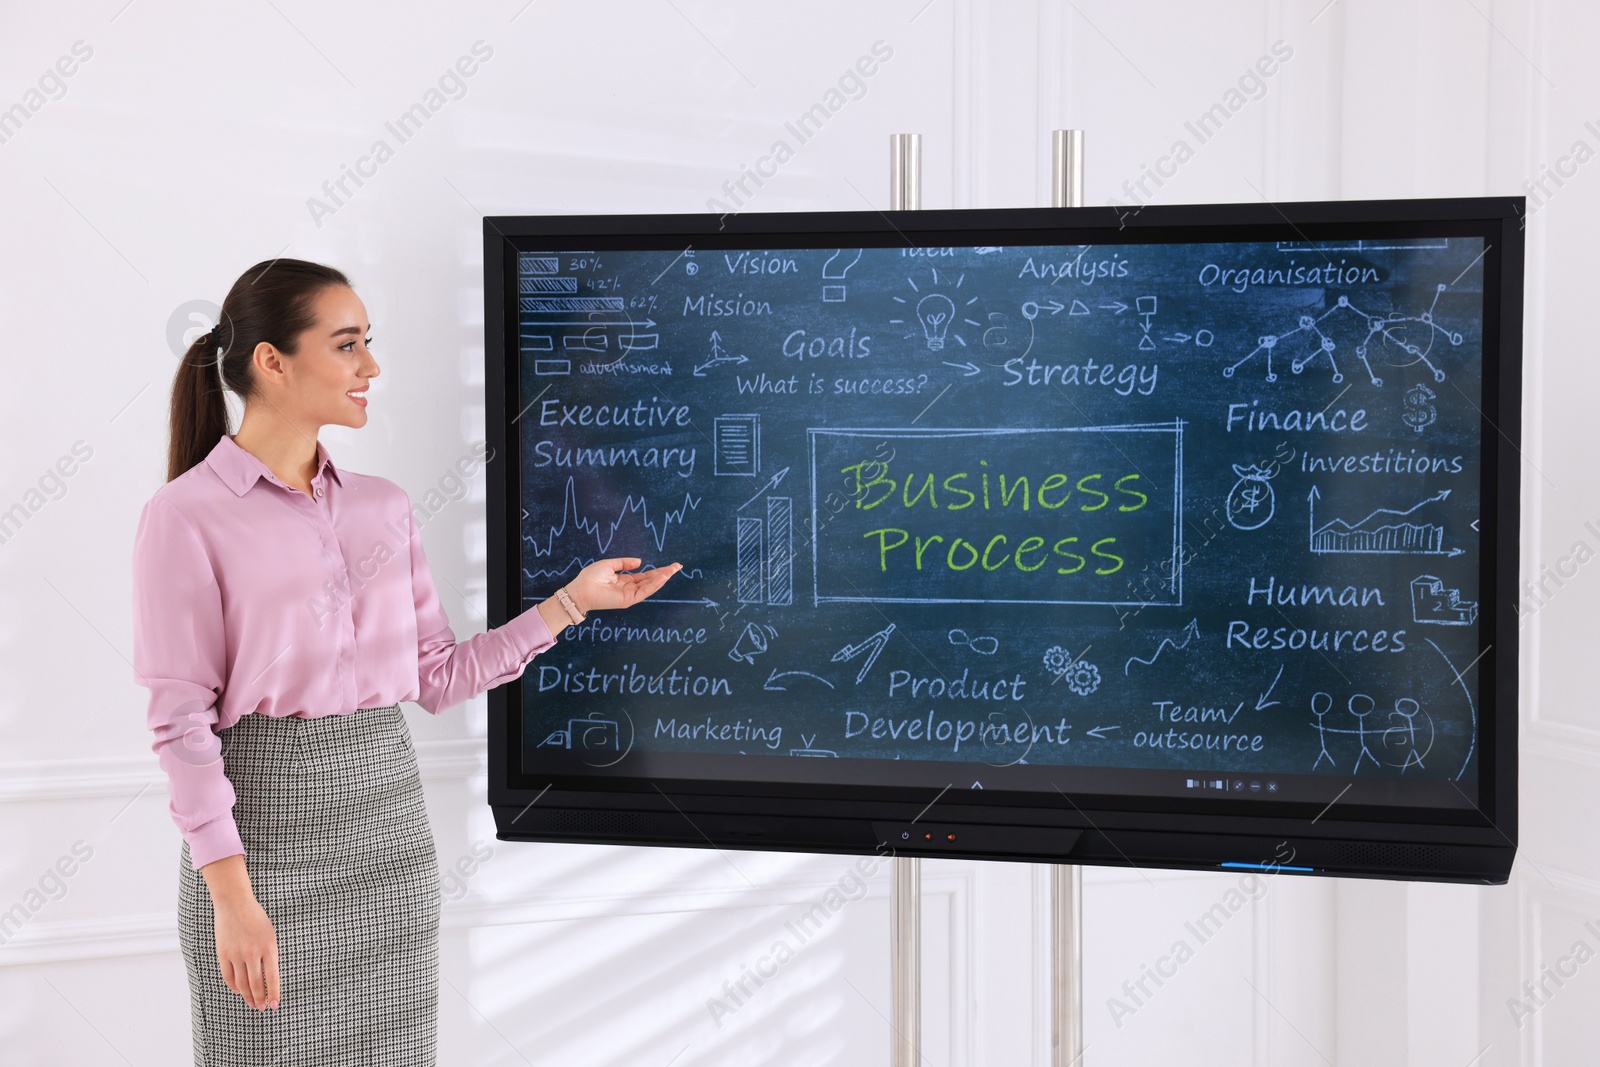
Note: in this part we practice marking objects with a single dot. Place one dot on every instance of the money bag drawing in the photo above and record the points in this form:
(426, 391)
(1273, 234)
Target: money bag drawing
(1251, 501)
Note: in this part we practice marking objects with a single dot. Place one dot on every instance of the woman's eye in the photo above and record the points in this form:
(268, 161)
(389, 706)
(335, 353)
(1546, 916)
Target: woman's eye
(347, 345)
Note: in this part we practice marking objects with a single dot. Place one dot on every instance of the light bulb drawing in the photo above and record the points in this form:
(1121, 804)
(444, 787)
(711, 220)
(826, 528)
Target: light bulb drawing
(936, 314)
(935, 311)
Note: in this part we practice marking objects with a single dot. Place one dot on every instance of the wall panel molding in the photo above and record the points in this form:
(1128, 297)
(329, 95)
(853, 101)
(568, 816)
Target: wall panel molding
(43, 781)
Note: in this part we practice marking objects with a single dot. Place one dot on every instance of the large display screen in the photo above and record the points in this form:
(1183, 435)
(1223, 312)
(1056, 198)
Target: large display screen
(1026, 519)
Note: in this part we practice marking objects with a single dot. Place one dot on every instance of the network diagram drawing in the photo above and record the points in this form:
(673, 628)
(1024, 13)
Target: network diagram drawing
(1386, 329)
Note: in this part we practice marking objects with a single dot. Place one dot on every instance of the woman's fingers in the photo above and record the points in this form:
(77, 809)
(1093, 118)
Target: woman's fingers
(272, 973)
(258, 984)
(653, 579)
(649, 583)
(633, 586)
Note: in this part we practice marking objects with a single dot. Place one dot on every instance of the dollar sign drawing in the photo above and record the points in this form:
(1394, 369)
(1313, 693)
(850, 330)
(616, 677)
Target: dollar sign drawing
(1419, 413)
(1251, 502)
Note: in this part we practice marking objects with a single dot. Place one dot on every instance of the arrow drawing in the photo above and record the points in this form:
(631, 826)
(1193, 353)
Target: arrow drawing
(871, 645)
(719, 355)
(1262, 703)
(1190, 632)
(776, 674)
(591, 322)
(969, 368)
(1116, 306)
(772, 483)
(1098, 731)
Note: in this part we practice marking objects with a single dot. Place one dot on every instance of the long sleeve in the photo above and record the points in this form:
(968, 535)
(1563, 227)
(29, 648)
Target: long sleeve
(179, 654)
(449, 673)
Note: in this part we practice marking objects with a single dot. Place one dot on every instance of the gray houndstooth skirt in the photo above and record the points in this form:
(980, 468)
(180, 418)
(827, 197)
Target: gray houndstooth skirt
(341, 857)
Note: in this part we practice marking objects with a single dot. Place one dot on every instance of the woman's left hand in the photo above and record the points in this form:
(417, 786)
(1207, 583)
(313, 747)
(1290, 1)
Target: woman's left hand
(601, 586)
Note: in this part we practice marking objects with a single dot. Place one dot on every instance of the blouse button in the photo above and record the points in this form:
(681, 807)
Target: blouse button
(319, 490)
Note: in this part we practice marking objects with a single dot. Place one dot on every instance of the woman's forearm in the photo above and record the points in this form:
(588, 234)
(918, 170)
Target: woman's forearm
(554, 615)
(228, 879)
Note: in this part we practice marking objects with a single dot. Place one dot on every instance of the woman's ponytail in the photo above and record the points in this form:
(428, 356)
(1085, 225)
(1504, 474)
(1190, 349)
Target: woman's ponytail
(271, 302)
(199, 410)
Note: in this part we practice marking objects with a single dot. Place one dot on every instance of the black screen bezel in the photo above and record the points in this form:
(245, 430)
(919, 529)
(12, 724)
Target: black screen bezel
(1498, 220)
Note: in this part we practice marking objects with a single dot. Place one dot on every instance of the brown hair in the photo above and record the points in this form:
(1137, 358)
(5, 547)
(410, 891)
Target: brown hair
(270, 302)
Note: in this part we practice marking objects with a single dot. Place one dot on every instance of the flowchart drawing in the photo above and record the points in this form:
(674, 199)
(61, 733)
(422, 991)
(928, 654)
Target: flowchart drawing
(1388, 328)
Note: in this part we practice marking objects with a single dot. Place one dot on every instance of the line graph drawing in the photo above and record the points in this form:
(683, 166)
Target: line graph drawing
(1390, 328)
(1385, 531)
(1190, 632)
(597, 531)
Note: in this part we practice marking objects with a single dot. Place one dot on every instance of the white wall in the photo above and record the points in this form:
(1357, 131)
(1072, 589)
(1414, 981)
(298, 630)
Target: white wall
(185, 148)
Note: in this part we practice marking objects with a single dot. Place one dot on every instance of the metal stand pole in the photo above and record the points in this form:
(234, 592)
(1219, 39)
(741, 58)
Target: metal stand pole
(905, 171)
(905, 914)
(1066, 880)
(1066, 168)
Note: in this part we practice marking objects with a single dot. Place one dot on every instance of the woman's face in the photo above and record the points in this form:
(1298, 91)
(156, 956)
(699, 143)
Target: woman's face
(333, 364)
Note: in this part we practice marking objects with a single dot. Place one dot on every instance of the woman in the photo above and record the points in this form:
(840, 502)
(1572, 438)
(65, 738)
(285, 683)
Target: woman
(283, 608)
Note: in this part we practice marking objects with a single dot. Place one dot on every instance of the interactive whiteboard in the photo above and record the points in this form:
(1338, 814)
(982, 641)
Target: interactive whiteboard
(1184, 513)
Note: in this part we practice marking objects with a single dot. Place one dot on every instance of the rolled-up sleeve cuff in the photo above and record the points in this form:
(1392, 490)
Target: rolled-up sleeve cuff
(215, 840)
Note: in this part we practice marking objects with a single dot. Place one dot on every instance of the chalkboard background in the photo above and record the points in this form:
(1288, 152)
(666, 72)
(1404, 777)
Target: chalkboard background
(1237, 527)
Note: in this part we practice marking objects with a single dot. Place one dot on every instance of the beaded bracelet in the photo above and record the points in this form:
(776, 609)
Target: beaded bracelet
(569, 606)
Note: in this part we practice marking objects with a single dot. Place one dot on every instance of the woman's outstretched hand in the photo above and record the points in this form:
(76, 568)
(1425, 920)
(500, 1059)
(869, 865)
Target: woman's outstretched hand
(601, 585)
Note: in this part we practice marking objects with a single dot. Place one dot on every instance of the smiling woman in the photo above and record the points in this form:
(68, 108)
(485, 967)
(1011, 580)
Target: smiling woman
(283, 609)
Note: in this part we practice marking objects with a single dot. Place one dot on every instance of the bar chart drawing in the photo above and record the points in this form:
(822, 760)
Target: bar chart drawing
(545, 291)
(764, 548)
